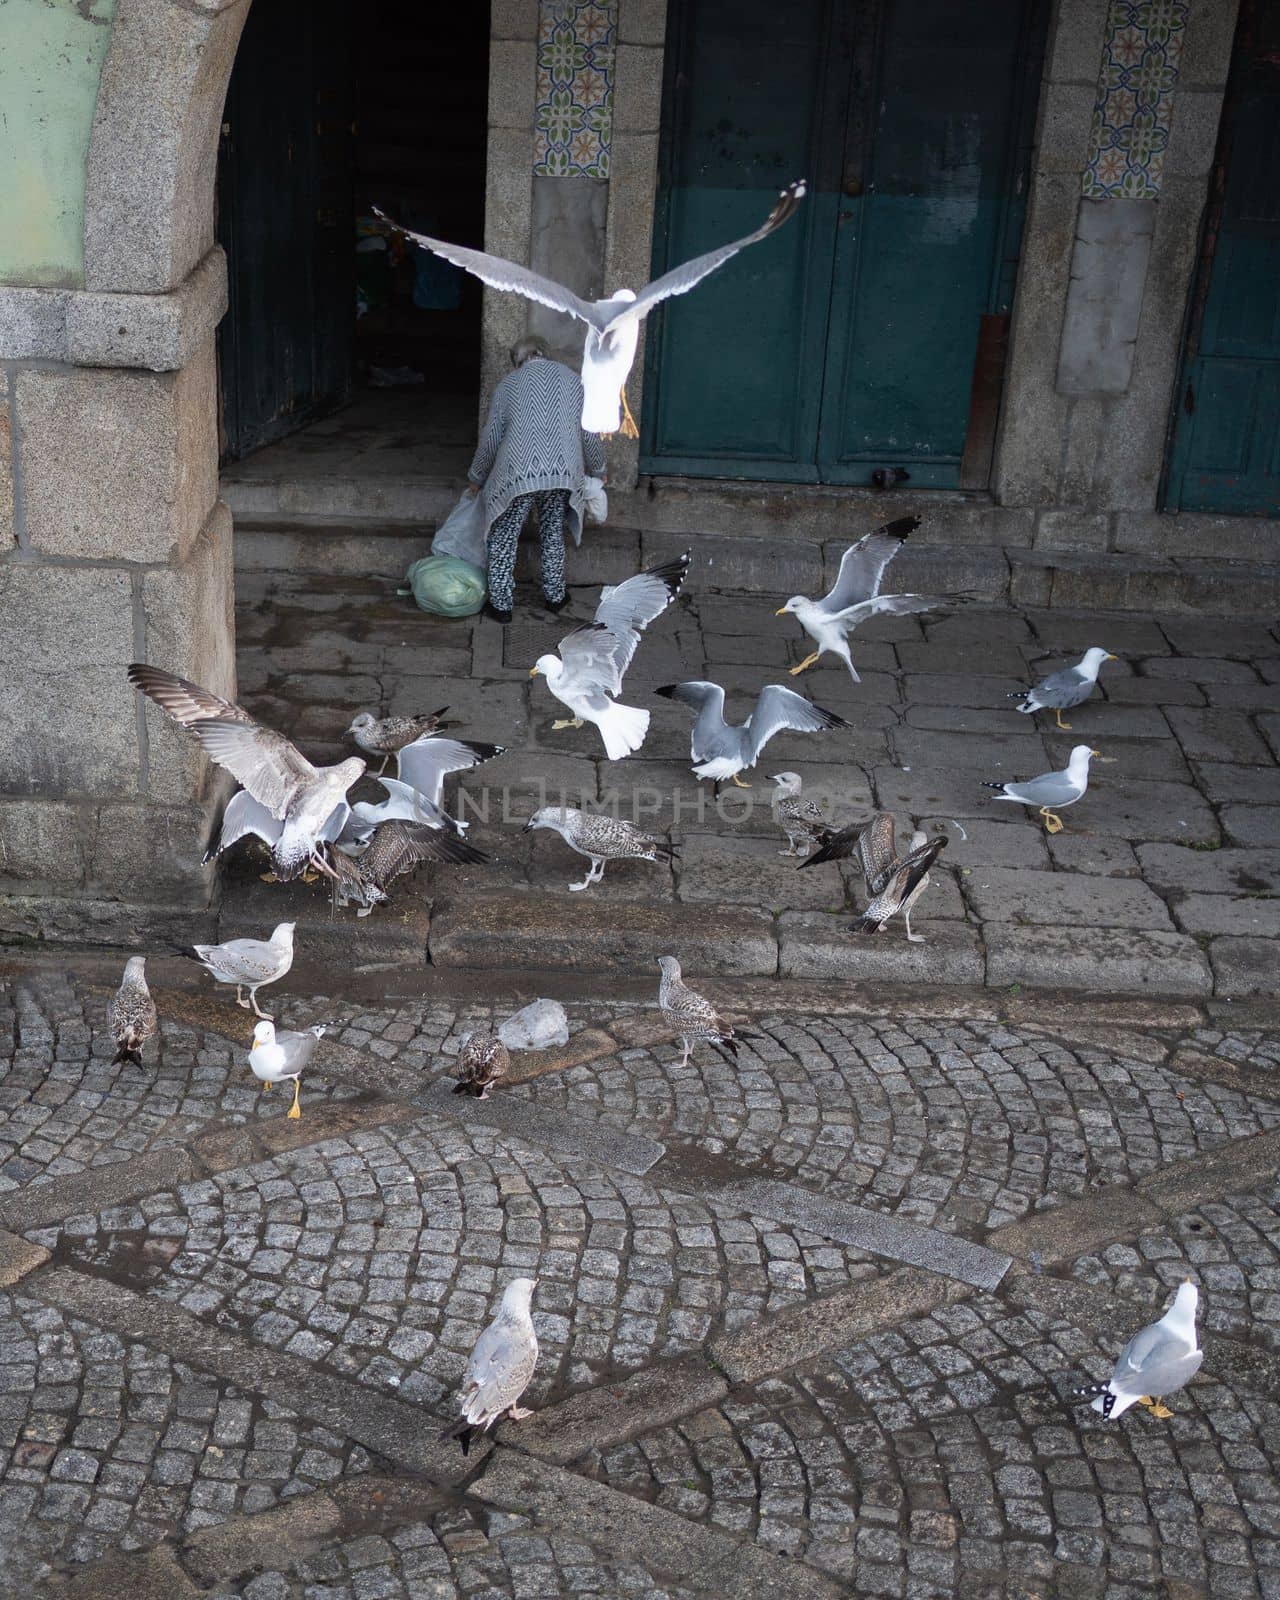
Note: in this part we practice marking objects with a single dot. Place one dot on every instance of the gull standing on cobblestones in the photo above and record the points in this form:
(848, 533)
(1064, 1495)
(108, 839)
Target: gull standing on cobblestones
(1052, 792)
(613, 325)
(801, 820)
(1160, 1360)
(600, 839)
(720, 750)
(589, 669)
(855, 596)
(248, 963)
(290, 805)
(894, 882)
(131, 1015)
(482, 1060)
(1060, 691)
(500, 1367)
(277, 1057)
(691, 1015)
(384, 736)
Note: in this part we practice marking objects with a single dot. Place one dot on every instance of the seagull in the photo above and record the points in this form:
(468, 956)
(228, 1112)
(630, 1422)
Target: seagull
(588, 671)
(384, 736)
(1054, 791)
(416, 794)
(500, 1366)
(894, 882)
(856, 596)
(801, 820)
(600, 839)
(131, 1016)
(613, 325)
(393, 849)
(691, 1015)
(483, 1060)
(1160, 1360)
(248, 963)
(1060, 691)
(719, 750)
(281, 1056)
(289, 804)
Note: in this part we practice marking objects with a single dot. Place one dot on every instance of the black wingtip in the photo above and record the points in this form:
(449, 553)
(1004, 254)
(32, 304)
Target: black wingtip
(459, 1088)
(787, 204)
(901, 527)
(863, 925)
(667, 691)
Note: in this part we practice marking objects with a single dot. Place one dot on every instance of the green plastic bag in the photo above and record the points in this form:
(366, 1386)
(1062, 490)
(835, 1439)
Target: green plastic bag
(446, 586)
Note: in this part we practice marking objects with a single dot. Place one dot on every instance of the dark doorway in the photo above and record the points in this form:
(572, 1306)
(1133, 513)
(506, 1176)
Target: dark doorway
(333, 109)
(849, 341)
(1226, 439)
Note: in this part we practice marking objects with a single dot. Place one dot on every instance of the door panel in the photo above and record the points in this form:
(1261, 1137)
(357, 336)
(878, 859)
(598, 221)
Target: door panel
(848, 340)
(1226, 449)
(285, 221)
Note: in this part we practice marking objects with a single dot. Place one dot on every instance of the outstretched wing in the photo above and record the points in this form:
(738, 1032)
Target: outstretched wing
(683, 278)
(399, 847)
(862, 565)
(261, 760)
(628, 608)
(425, 763)
(590, 660)
(499, 273)
(907, 873)
(877, 851)
(778, 708)
(242, 817)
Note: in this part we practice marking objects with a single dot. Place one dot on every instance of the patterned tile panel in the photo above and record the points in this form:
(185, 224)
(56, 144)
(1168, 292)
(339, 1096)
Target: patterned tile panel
(1134, 108)
(574, 116)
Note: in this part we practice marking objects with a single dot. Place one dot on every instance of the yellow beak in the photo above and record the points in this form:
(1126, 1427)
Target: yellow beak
(1095, 752)
(1116, 658)
(533, 672)
(781, 611)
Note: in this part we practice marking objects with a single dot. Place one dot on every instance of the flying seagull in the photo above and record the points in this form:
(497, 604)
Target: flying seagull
(248, 963)
(589, 669)
(277, 1057)
(289, 804)
(599, 838)
(392, 849)
(613, 325)
(719, 750)
(131, 1015)
(801, 820)
(482, 1061)
(1060, 691)
(384, 736)
(691, 1015)
(855, 596)
(1160, 1360)
(894, 882)
(1053, 791)
(416, 794)
(500, 1367)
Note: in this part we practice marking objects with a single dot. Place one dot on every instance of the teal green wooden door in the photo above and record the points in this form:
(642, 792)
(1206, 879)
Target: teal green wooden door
(846, 342)
(1226, 451)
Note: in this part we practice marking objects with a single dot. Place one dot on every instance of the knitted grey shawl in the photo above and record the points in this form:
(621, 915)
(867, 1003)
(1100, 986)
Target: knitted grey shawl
(534, 440)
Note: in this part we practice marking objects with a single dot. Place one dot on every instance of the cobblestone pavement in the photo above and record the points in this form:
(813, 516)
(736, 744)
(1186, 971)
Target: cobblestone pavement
(1172, 861)
(227, 1351)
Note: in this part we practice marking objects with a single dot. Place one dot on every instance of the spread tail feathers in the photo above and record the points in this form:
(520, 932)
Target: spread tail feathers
(463, 1432)
(623, 729)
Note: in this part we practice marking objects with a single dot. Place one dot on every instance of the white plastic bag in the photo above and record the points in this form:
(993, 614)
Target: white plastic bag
(597, 501)
(463, 533)
(537, 1027)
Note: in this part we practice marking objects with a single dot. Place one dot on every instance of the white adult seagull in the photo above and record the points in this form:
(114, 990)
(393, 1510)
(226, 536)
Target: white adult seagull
(855, 596)
(613, 325)
(1052, 791)
(1160, 1359)
(721, 750)
(588, 671)
(416, 794)
(289, 804)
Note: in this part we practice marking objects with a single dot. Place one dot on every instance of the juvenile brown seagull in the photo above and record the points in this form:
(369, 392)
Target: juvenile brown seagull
(131, 1015)
(482, 1061)
(394, 848)
(801, 820)
(384, 736)
(691, 1015)
(599, 838)
(894, 882)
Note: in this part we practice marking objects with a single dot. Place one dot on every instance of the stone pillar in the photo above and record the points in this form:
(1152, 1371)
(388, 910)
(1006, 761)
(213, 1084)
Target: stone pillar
(113, 544)
(1128, 122)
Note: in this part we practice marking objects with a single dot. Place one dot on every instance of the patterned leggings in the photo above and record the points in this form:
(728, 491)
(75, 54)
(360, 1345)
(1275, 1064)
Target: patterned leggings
(504, 536)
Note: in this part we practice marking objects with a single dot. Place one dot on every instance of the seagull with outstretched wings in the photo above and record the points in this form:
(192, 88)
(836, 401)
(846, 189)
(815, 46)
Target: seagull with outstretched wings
(721, 750)
(292, 806)
(855, 596)
(894, 881)
(613, 325)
